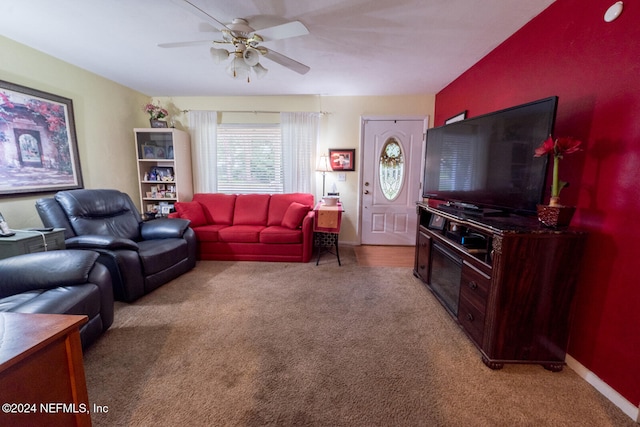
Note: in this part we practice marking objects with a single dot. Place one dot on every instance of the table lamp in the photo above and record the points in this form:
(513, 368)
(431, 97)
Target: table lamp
(324, 167)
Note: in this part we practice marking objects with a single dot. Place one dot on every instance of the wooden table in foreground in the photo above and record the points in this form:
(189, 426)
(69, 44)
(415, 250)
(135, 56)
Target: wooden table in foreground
(42, 379)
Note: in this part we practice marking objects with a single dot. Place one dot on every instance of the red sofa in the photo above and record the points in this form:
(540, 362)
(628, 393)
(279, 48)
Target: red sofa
(251, 227)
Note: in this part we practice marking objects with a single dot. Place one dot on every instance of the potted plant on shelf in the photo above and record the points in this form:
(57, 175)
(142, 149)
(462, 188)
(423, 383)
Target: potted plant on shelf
(555, 214)
(156, 113)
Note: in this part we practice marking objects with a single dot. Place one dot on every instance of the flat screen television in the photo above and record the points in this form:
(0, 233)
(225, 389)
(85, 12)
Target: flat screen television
(486, 163)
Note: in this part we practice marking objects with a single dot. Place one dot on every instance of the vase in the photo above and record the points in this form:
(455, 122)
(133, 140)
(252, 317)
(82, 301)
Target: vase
(555, 216)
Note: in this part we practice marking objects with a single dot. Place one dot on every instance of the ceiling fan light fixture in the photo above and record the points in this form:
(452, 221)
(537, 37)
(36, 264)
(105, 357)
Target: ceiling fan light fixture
(259, 70)
(240, 27)
(251, 56)
(238, 69)
(219, 55)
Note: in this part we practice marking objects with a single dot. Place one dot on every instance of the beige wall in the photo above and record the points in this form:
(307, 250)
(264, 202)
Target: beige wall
(340, 128)
(105, 114)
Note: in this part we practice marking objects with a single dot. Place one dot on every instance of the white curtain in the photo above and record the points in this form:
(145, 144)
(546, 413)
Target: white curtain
(203, 127)
(299, 141)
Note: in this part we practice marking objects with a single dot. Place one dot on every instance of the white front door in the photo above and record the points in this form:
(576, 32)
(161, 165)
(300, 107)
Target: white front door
(391, 176)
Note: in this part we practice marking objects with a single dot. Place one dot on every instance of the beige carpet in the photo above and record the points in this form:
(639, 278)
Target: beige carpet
(284, 344)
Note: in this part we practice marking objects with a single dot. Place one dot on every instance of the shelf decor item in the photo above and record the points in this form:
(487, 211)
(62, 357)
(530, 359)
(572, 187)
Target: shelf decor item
(156, 113)
(554, 214)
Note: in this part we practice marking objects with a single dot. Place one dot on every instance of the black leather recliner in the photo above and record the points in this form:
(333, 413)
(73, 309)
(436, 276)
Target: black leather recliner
(59, 282)
(140, 255)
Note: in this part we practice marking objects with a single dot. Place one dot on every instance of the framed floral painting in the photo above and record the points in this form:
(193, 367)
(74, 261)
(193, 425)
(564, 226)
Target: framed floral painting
(38, 146)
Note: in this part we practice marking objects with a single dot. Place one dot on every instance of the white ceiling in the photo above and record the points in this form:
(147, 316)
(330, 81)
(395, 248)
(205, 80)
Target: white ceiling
(355, 47)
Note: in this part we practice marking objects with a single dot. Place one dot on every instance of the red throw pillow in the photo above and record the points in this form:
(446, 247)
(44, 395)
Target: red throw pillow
(191, 211)
(294, 215)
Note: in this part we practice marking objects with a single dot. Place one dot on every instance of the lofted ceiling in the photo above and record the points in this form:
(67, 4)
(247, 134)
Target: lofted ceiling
(354, 47)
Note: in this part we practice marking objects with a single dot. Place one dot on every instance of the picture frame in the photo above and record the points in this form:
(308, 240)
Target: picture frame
(436, 222)
(149, 151)
(342, 159)
(40, 148)
(163, 173)
(160, 153)
(457, 118)
(158, 123)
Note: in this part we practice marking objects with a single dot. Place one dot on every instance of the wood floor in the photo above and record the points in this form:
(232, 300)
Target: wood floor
(385, 256)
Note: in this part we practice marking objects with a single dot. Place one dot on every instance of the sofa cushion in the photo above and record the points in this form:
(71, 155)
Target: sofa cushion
(159, 255)
(192, 211)
(240, 234)
(208, 233)
(251, 209)
(279, 204)
(218, 207)
(54, 269)
(78, 299)
(294, 215)
(279, 234)
(102, 212)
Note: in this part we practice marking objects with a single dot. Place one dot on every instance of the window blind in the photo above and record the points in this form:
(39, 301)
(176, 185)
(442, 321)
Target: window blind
(249, 159)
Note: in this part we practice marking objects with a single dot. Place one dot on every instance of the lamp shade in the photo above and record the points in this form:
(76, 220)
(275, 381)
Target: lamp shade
(219, 55)
(251, 56)
(323, 164)
(259, 70)
(238, 69)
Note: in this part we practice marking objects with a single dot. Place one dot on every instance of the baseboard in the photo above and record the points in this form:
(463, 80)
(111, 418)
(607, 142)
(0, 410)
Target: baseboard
(605, 389)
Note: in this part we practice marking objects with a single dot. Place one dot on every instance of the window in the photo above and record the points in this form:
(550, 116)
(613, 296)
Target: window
(391, 169)
(249, 159)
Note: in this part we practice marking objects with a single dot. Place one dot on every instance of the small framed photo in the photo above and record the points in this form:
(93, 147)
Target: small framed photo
(436, 222)
(163, 173)
(457, 118)
(158, 124)
(165, 209)
(148, 152)
(160, 153)
(342, 160)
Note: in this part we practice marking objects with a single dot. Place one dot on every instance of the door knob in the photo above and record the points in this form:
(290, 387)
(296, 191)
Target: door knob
(366, 184)
(366, 191)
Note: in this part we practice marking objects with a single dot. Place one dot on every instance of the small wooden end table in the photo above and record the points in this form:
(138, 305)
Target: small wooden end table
(326, 228)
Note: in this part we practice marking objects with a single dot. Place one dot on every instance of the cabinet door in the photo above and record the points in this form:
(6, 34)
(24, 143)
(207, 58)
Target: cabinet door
(474, 290)
(422, 258)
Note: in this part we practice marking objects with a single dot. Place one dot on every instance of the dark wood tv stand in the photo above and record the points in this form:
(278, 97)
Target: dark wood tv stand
(507, 281)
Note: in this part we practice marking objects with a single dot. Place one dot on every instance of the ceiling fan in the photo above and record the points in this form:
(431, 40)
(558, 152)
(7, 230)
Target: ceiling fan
(247, 50)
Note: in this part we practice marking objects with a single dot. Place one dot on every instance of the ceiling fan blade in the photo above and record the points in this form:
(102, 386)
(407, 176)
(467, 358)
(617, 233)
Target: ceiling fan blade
(283, 31)
(185, 44)
(186, 4)
(285, 61)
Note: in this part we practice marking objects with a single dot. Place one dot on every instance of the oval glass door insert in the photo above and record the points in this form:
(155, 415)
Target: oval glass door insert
(391, 169)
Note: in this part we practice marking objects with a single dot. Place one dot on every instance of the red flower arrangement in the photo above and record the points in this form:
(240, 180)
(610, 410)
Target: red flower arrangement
(558, 148)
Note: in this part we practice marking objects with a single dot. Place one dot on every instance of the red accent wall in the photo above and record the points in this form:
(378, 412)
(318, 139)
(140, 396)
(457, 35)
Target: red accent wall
(594, 68)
